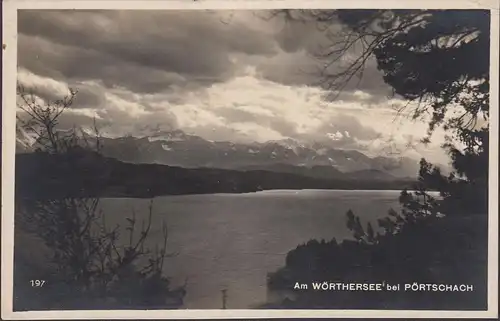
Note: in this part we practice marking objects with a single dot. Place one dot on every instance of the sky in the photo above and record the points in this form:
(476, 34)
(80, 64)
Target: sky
(222, 75)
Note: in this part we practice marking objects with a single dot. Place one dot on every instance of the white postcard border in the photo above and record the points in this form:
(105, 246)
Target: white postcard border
(9, 63)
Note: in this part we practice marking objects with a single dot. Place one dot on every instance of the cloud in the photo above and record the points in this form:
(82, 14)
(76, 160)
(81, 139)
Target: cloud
(75, 64)
(90, 94)
(153, 51)
(117, 110)
(43, 87)
(220, 75)
(342, 123)
(291, 111)
(146, 51)
(307, 50)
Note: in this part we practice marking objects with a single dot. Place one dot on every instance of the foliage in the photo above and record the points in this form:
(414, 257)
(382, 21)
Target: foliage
(92, 265)
(437, 60)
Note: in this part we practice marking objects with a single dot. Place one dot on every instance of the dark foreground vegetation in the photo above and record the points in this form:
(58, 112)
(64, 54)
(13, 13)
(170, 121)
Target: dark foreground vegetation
(66, 255)
(435, 250)
(438, 60)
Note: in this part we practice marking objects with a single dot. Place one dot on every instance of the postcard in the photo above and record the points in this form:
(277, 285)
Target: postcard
(249, 159)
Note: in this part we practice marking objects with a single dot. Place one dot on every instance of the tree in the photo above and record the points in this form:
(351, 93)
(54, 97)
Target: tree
(92, 265)
(438, 61)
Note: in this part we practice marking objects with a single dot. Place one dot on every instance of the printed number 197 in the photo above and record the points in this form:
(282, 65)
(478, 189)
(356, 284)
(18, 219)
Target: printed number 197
(37, 283)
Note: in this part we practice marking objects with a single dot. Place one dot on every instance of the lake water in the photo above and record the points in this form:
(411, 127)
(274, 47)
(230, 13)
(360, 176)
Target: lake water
(231, 241)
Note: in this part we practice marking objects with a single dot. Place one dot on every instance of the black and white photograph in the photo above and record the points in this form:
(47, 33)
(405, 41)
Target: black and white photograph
(278, 158)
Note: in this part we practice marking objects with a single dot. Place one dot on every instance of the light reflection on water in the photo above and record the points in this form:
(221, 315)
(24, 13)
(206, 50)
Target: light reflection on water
(231, 241)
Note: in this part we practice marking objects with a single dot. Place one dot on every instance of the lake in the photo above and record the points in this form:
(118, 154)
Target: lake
(231, 241)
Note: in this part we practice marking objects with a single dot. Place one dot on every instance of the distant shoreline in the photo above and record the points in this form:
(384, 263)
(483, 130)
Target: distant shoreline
(43, 176)
(288, 191)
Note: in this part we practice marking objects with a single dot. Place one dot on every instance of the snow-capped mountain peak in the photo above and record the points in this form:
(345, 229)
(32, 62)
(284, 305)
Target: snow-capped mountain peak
(177, 148)
(169, 136)
(24, 140)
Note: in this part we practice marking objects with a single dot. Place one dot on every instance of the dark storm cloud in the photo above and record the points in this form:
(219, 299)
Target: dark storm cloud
(302, 68)
(89, 96)
(145, 51)
(151, 51)
(296, 35)
(71, 63)
(303, 44)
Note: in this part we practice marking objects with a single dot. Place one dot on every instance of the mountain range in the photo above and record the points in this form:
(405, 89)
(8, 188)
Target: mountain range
(179, 149)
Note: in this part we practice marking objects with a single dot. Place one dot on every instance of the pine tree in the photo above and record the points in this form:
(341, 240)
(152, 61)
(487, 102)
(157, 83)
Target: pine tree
(437, 60)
